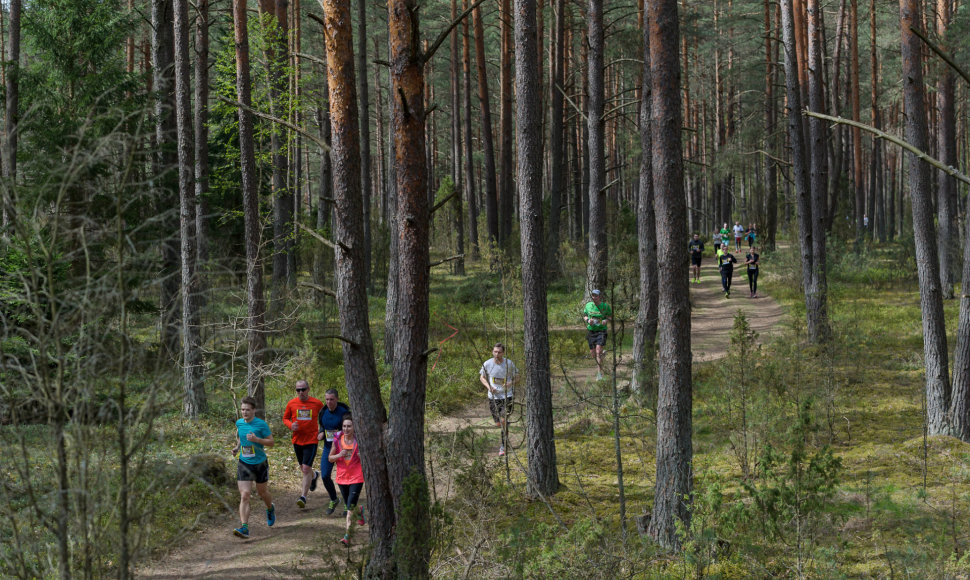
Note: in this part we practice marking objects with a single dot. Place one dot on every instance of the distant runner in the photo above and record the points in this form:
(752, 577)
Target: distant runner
(252, 436)
(716, 237)
(498, 376)
(696, 247)
(596, 314)
(751, 260)
(752, 236)
(350, 473)
(738, 233)
(331, 419)
(725, 263)
(300, 417)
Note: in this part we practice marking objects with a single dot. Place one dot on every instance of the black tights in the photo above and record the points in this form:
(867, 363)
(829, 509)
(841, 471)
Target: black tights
(753, 281)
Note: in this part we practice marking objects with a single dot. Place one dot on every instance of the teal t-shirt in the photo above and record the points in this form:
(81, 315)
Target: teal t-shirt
(596, 313)
(249, 451)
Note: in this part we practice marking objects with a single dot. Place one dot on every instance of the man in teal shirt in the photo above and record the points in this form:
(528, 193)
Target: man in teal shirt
(252, 436)
(596, 314)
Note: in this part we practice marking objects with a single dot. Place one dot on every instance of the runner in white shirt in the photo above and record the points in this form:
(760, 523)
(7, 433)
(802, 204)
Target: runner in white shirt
(498, 376)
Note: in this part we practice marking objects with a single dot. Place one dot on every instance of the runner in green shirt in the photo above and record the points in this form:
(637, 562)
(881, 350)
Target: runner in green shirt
(596, 314)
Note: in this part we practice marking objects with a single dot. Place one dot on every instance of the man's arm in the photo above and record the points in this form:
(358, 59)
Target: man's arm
(288, 418)
(235, 449)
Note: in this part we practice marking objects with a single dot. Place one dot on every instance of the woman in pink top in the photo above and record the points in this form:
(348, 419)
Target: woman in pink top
(350, 474)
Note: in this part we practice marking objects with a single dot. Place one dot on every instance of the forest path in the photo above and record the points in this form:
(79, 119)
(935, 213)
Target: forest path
(305, 543)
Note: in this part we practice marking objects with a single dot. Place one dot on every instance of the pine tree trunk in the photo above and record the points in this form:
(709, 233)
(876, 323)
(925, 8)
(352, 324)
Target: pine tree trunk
(860, 209)
(596, 271)
(202, 133)
(457, 175)
(817, 299)
(645, 332)
(924, 230)
(362, 382)
(557, 150)
(405, 433)
(947, 153)
(771, 170)
(542, 476)
(488, 147)
(256, 306)
(12, 78)
(365, 161)
(469, 153)
(194, 401)
(674, 481)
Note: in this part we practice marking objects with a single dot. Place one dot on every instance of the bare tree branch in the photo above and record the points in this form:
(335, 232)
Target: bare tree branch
(318, 288)
(444, 33)
(939, 52)
(313, 233)
(450, 259)
(271, 118)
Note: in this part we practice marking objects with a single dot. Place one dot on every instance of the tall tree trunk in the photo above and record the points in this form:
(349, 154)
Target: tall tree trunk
(877, 145)
(645, 332)
(674, 481)
(799, 165)
(202, 132)
(394, 263)
(256, 306)
(11, 113)
(596, 271)
(771, 170)
(469, 154)
(457, 177)
(817, 299)
(924, 230)
(165, 159)
(557, 150)
(365, 163)
(542, 477)
(946, 142)
(506, 208)
(488, 147)
(860, 209)
(405, 434)
(194, 401)
(362, 382)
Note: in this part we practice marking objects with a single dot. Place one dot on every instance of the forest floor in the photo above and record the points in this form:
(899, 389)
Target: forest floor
(304, 543)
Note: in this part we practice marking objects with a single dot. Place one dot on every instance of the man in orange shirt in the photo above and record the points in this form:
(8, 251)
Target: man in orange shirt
(300, 417)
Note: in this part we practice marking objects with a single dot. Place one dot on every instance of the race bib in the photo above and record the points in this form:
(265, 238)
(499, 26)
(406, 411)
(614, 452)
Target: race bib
(247, 451)
(329, 435)
(304, 414)
(500, 382)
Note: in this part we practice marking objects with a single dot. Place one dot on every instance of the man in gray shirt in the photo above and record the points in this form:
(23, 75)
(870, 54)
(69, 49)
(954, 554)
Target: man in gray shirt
(498, 375)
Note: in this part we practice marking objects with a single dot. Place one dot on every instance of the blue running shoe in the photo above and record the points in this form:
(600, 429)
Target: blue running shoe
(241, 532)
(271, 515)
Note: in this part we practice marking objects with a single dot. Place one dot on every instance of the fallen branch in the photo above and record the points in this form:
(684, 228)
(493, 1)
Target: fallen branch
(318, 288)
(952, 172)
(451, 259)
(438, 205)
(317, 236)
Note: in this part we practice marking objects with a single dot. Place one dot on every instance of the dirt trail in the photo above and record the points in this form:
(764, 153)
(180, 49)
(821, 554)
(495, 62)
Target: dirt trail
(304, 543)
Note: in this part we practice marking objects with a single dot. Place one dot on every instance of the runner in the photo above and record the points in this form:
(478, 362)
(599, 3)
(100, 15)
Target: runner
(596, 314)
(725, 236)
(696, 247)
(498, 375)
(252, 436)
(716, 237)
(751, 260)
(752, 236)
(725, 263)
(350, 474)
(300, 417)
(331, 418)
(738, 233)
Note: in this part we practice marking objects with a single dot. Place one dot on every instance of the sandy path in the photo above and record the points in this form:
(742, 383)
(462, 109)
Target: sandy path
(304, 543)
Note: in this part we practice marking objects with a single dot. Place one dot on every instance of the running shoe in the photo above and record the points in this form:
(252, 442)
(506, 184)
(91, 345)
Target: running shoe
(501, 451)
(331, 506)
(241, 532)
(313, 482)
(271, 515)
(360, 517)
(345, 540)
(301, 503)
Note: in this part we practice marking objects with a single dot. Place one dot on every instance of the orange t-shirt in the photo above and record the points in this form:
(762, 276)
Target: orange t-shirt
(305, 416)
(348, 470)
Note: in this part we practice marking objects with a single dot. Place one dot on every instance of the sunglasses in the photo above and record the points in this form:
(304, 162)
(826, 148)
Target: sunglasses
(301, 390)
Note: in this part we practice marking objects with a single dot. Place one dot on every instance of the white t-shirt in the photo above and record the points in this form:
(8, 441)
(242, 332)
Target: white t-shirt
(499, 376)
(738, 230)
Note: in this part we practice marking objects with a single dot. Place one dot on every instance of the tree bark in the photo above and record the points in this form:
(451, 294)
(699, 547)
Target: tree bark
(365, 160)
(674, 480)
(860, 208)
(405, 435)
(557, 151)
(194, 401)
(11, 112)
(256, 306)
(469, 152)
(202, 132)
(488, 147)
(596, 271)
(362, 382)
(645, 332)
(771, 120)
(817, 299)
(924, 230)
(543, 479)
(164, 161)
(506, 208)
(457, 177)
(946, 143)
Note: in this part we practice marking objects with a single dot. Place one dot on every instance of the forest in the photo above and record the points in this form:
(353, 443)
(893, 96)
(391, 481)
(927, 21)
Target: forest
(211, 200)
